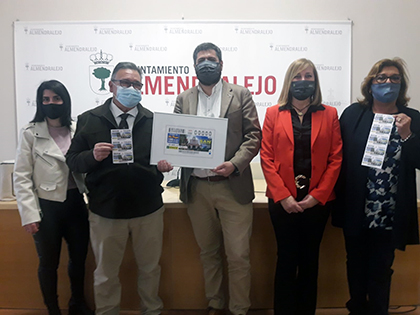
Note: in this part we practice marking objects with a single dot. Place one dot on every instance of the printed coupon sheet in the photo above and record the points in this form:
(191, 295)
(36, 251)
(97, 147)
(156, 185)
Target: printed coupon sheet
(122, 152)
(188, 141)
(377, 143)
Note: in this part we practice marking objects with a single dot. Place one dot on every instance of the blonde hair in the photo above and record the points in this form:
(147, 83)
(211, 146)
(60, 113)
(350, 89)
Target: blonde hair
(294, 68)
(398, 63)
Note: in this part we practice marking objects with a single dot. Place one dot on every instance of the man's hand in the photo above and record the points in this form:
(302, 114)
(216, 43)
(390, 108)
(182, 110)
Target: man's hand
(290, 205)
(224, 169)
(32, 228)
(308, 202)
(164, 166)
(102, 150)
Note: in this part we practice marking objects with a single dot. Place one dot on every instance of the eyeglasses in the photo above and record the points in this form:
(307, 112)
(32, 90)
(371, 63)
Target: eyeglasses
(382, 78)
(127, 84)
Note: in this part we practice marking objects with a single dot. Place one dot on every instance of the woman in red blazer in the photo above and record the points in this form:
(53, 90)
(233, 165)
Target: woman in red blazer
(301, 159)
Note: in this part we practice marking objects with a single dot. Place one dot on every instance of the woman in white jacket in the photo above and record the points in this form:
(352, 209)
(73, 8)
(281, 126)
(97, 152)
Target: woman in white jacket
(50, 203)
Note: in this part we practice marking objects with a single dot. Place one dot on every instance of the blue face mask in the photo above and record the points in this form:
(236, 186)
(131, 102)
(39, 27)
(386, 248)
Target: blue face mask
(129, 97)
(386, 92)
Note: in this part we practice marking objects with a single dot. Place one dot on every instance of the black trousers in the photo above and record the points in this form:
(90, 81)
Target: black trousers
(298, 237)
(68, 220)
(370, 256)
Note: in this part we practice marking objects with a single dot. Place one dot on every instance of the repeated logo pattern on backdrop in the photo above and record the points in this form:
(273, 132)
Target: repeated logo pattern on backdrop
(255, 54)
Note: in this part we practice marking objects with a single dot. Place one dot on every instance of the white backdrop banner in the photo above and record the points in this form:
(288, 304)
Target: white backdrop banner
(255, 54)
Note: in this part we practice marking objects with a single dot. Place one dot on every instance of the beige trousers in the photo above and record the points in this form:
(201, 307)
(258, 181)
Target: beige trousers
(109, 238)
(218, 220)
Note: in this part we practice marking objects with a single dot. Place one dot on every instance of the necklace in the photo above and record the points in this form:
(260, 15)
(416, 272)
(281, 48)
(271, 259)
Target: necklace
(300, 111)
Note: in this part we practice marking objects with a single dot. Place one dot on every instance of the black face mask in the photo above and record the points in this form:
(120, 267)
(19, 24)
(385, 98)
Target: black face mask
(54, 111)
(208, 72)
(303, 89)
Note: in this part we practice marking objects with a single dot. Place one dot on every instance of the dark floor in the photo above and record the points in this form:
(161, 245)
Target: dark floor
(322, 311)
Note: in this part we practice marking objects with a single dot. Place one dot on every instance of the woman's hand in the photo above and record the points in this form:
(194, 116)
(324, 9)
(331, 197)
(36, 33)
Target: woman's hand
(403, 123)
(308, 202)
(32, 228)
(290, 205)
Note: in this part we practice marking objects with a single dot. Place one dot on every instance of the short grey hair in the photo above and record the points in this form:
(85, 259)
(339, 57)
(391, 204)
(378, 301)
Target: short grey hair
(125, 65)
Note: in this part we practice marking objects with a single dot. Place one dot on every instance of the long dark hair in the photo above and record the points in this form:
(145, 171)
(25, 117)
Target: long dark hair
(58, 88)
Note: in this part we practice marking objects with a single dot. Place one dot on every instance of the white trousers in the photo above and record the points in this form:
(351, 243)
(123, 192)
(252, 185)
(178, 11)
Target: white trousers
(109, 238)
(217, 220)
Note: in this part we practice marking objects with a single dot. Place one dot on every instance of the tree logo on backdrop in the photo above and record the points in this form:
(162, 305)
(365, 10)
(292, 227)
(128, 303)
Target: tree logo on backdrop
(147, 48)
(100, 72)
(41, 31)
(322, 31)
(182, 30)
(111, 31)
(331, 99)
(41, 67)
(30, 102)
(288, 48)
(253, 31)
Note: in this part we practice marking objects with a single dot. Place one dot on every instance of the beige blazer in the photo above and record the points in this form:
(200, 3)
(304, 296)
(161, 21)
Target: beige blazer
(40, 171)
(243, 138)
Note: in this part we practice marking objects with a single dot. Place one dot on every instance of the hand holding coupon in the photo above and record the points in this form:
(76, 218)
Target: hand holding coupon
(102, 150)
(164, 166)
(403, 123)
(224, 169)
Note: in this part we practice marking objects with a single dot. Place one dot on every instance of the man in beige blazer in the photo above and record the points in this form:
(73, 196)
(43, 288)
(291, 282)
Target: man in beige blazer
(220, 200)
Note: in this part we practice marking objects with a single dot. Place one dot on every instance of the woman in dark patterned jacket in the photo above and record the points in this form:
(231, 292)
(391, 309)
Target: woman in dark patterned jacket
(377, 207)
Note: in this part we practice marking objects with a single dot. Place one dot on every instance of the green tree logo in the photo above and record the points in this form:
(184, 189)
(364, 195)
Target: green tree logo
(101, 69)
(102, 74)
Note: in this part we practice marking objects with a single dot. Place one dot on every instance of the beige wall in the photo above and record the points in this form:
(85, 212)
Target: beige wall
(382, 28)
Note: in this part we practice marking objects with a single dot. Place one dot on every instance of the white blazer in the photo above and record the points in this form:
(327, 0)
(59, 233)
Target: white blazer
(40, 171)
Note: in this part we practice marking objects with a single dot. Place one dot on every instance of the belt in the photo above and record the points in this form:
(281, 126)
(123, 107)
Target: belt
(301, 181)
(216, 178)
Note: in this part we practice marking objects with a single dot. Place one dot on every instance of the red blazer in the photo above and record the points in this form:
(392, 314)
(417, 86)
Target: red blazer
(277, 149)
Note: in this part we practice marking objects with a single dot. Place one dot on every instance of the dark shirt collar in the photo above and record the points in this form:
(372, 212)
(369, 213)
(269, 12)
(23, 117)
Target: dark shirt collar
(311, 109)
